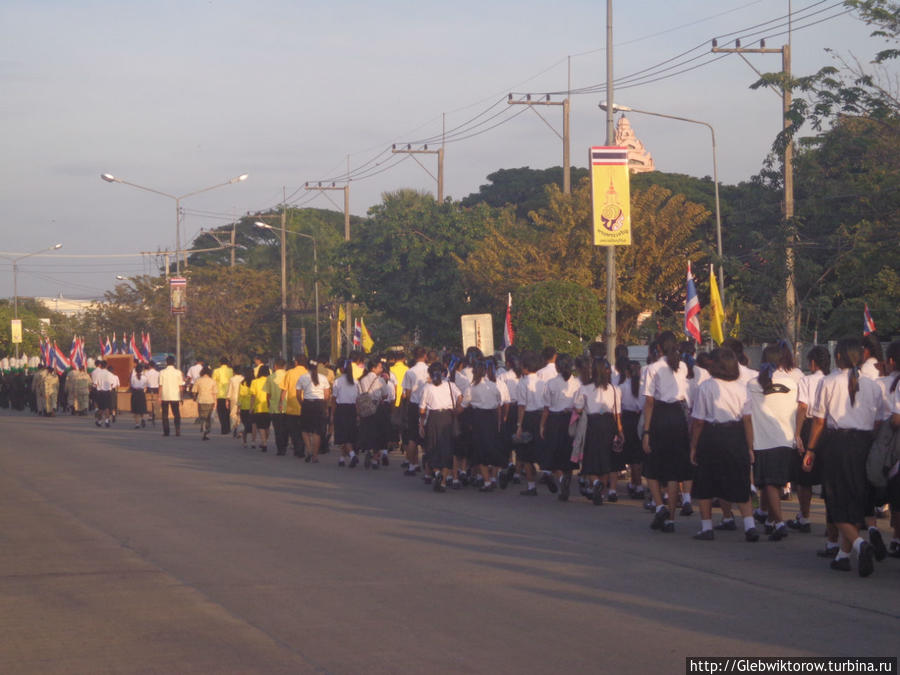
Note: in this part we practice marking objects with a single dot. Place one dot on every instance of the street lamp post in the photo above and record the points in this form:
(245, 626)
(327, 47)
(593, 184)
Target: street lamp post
(15, 266)
(109, 178)
(265, 226)
(622, 108)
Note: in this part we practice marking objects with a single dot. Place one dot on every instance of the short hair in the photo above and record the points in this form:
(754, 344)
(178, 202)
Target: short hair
(170, 360)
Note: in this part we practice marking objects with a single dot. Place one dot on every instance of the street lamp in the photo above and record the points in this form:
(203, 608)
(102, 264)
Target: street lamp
(623, 108)
(15, 266)
(109, 178)
(265, 226)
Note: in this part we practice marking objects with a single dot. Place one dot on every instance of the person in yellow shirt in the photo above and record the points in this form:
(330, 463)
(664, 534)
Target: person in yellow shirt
(397, 365)
(292, 404)
(245, 403)
(277, 401)
(259, 404)
(222, 376)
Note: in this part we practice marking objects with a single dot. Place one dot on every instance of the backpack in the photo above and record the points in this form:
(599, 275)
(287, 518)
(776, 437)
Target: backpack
(366, 405)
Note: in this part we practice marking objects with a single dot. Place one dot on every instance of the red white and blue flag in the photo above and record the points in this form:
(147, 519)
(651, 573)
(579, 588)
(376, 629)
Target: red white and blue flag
(45, 352)
(508, 333)
(60, 362)
(145, 346)
(106, 349)
(692, 309)
(357, 334)
(868, 321)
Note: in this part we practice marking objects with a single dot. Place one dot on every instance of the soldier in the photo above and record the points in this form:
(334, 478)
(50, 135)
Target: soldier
(37, 390)
(51, 391)
(81, 390)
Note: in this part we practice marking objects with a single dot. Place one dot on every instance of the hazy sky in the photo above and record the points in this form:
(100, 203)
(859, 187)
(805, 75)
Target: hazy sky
(179, 96)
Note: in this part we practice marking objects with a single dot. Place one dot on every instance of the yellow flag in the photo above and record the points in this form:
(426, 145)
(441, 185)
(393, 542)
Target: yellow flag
(718, 313)
(341, 315)
(736, 328)
(367, 342)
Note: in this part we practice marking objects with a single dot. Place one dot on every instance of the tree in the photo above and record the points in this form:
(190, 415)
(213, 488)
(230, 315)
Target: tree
(561, 314)
(522, 188)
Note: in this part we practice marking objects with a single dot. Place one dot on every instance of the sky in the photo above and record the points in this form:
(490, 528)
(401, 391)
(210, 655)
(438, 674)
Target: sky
(181, 96)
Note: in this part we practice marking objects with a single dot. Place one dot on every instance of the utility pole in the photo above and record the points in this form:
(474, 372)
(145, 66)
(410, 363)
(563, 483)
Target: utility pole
(408, 150)
(567, 164)
(346, 188)
(790, 292)
(610, 139)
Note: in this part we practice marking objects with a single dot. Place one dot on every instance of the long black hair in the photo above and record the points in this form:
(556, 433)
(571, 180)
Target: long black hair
(564, 366)
(634, 374)
(893, 354)
(687, 355)
(724, 365)
(820, 356)
(346, 366)
(849, 354)
(621, 356)
(668, 346)
(772, 358)
(601, 373)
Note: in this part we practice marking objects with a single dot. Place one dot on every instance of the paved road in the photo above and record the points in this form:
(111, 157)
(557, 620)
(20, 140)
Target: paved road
(125, 552)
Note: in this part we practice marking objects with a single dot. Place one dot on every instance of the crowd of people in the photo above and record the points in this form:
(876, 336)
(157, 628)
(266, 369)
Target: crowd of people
(684, 428)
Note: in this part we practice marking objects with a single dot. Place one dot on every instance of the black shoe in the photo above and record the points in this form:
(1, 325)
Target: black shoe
(503, 479)
(727, 525)
(769, 528)
(659, 519)
(751, 535)
(409, 472)
(668, 528)
(427, 479)
(385, 461)
(778, 533)
(797, 526)
(516, 480)
(877, 545)
(263, 448)
(404, 464)
(487, 487)
(828, 552)
(866, 560)
(612, 497)
(97, 423)
(438, 485)
(760, 517)
(894, 550)
(456, 485)
(307, 459)
(842, 565)
(205, 437)
(564, 488)
(281, 453)
(597, 497)
(367, 462)
(649, 506)
(705, 535)
(354, 461)
(530, 492)
(143, 424)
(106, 424)
(687, 509)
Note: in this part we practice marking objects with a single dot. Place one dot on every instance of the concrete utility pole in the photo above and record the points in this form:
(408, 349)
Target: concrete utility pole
(791, 318)
(567, 164)
(610, 140)
(408, 150)
(348, 324)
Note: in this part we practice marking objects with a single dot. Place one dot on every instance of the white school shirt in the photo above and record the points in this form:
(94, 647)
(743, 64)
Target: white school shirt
(887, 396)
(508, 381)
(807, 388)
(373, 385)
(97, 376)
(630, 402)
(483, 396)
(193, 373)
(664, 385)
(414, 381)
(152, 375)
(593, 400)
(869, 368)
(462, 382)
(895, 402)
(345, 393)
(774, 416)
(312, 391)
(139, 382)
(720, 401)
(389, 388)
(746, 374)
(833, 402)
(234, 389)
(170, 382)
(795, 374)
(530, 392)
(559, 394)
(440, 397)
(548, 372)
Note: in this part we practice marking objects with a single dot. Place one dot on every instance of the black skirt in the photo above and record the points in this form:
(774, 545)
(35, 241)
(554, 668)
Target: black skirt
(312, 416)
(530, 452)
(439, 439)
(670, 453)
(773, 466)
(557, 446)
(345, 424)
(367, 433)
(138, 402)
(411, 431)
(462, 444)
(598, 440)
(848, 495)
(723, 463)
(261, 420)
(486, 442)
(798, 475)
(634, 451)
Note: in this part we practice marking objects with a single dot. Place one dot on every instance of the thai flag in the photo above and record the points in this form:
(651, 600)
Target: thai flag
(45, 352)
(106, 348)
(60, 362)
(357, 334)
(692, 309)
(78, 359)
(73, 350)
(868, 321)
(135, 351)
(508, 333)
(145, 346)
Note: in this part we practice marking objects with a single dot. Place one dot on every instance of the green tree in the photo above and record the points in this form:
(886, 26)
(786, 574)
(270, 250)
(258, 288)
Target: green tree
(561, 314)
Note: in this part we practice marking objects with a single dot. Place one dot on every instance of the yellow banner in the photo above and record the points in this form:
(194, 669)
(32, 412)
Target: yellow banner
(610, 196)
(17, 331)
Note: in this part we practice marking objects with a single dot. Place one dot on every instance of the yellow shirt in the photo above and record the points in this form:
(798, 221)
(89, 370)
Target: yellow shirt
(358, 371)
(258, 391)
(222, 375)
(292, 405)
(399, 370)
(244, 396)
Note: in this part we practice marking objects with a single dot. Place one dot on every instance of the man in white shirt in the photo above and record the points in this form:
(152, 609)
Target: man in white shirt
(548, 372)
(170, 384)
(413, 386)
(152, 391)
(105, 384)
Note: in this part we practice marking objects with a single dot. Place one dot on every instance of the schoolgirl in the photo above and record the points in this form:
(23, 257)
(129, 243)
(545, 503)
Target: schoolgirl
(872, 357)
(600, 401)
(559, 400)
(848, 406)
(484, 402)
(462, 444)
(530, 397)
(632, 405)
(245, 404)
(508, 384)
(441, 401)
(770, 420)
(891, 409)
(413, 385)
(372, 384)
(343, 414)
(139, 383)
(313, 392)
(719, 448)
(260, 406)
(665, 440)
(819, 361)
(746, 374)
(386, 435)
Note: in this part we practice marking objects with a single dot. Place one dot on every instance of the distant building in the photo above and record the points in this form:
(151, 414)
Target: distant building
(66, 306)
(639, 159)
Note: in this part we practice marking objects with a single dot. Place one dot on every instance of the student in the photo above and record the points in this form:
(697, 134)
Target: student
(462, 444)
(278, 405)
(665, 440)
(770, 421)
(719, 447)
(530, 395)
(891, 415)
(292, 407)
(343, 414)
(370, 384)
(508, 384)
(847, 405)
(205, 390)
(413, 384)
(600, 401)
(260, 406)
(313, 393)
(632, 405)
(548, 371)
(559, 401)
(872, 357)
(486, 417)
(819, 361)
(245, 405)
(441, 400)
(139, 385)
(233, 396)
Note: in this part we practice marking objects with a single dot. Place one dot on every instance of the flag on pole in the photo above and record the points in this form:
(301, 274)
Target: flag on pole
(60, 362)
(735, 331)
(508, 333)
(718, 313)
(366, 337)
(692, 309)
(868, 321)
(357, 334)
(341, 316)
(133, 348)
(107, 348)
(45, 351)
(145, 346)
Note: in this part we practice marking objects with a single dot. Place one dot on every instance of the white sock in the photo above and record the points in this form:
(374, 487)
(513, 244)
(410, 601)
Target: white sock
(830, 545)
(856, 544)
(611, 492)
(660, 508)
(532, 486)
(801, 519)
(686, 498)
(749, 523)
(352, 454)
(841, 555)
(705, 525)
